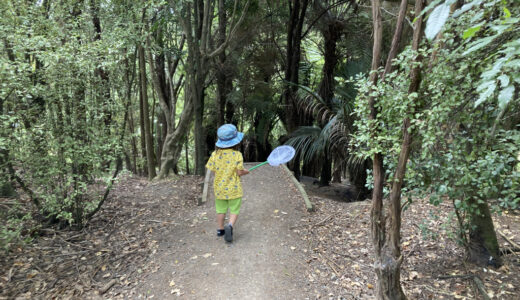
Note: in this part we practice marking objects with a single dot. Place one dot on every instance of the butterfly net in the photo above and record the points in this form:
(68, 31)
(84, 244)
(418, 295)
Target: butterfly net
(281, 155)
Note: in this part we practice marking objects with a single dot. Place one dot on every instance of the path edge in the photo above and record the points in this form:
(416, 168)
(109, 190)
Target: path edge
(308, 203)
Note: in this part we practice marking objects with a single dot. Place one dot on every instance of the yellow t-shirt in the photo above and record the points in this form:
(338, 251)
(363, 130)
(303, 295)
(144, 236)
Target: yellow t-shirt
(225, 163)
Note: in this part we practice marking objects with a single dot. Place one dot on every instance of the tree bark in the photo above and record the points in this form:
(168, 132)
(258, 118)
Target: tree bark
(142, 136)
(332, 31)
(388, 256)
(291, 118)
(483, 248)
(146, 116)
(223, 72)
(397, 36)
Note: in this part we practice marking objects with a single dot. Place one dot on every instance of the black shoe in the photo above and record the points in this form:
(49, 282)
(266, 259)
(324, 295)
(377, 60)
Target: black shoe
(228, 235)
(220, 232)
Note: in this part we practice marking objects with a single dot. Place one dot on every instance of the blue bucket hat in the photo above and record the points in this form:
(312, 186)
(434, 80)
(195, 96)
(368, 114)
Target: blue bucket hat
(228, 136)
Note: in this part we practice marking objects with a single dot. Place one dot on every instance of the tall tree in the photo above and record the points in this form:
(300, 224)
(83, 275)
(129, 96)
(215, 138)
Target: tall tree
(148, 139)
(168, 83)
(386, 240)
(196, 22)
(291, 119)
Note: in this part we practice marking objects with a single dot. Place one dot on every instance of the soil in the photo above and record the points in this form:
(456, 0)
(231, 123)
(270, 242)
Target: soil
(151, 240)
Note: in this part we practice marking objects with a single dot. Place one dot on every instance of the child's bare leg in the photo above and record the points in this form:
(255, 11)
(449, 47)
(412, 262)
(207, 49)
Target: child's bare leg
(220, 220)
(232, 219)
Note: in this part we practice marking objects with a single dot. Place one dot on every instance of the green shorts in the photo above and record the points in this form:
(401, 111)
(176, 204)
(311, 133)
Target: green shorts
(233, 205)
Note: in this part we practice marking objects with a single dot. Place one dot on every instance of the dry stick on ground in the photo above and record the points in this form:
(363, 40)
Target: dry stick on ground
(330, 263)
(478, 283)
(445, 293)
(320, 223)
(107, 286)
(509, 250)
(481, 287)
(509, 240)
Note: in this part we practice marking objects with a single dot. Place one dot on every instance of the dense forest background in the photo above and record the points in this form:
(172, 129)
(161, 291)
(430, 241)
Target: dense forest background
(414, 98)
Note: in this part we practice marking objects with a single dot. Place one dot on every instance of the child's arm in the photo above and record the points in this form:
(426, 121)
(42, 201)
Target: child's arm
(242, 172)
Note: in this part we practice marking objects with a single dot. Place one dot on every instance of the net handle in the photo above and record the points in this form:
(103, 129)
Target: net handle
(259, 165)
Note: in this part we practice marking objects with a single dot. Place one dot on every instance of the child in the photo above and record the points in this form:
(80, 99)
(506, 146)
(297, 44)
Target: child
(227, 163)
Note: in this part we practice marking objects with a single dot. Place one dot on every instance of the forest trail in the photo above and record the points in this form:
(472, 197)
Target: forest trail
(264, 261)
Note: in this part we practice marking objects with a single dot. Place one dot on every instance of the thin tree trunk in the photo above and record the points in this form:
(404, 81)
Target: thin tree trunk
(144, 166)
(223, 74)
(387, 284)
(388, 253)
(135, 153)
(146, 116)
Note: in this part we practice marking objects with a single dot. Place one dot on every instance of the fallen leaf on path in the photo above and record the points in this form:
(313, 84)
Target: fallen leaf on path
(413, 275)
(172, 283)
(176, 292)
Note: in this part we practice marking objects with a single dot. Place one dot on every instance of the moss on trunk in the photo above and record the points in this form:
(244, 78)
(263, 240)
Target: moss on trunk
(483, 246)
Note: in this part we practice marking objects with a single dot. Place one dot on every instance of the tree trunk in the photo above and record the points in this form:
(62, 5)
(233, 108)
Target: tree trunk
(387, 272)
(387, 243)
(483, 246)
(146, 117)
(198, 130)
(135, 153)
(223, 72)
(336, 174)
(331, 34)
(291, 118)
(144, 166)
(196, 24)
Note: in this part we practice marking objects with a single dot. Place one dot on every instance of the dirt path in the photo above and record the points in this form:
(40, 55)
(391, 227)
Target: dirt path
(265, 260)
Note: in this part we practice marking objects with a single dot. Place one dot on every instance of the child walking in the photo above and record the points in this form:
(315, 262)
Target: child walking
(227, 163)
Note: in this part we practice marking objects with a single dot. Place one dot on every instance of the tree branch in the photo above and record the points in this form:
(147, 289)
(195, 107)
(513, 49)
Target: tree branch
(223, 46)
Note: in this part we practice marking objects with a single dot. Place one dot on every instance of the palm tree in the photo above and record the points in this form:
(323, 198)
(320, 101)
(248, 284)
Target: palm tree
(333, 138)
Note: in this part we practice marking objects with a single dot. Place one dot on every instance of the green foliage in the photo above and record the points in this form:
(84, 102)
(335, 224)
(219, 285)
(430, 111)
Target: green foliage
(464, 118)
(59, 117)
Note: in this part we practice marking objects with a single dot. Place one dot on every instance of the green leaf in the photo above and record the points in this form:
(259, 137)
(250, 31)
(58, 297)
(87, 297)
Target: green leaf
(504, 80)
(507, 13)
(457, 203)
(479, 44)
(470, 32)
(436, 20)
(505, 96)
(489, 88)
(466, 7)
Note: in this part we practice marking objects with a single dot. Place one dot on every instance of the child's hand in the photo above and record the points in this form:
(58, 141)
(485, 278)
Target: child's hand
(242, 172)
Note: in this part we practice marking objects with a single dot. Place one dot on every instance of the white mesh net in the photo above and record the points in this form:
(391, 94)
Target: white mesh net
(281, 155)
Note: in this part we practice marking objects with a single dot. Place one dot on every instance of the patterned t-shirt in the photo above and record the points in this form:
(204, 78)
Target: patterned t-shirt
(225, 163)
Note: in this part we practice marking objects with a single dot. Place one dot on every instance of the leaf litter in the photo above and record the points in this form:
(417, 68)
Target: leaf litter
(339, 252)
(109, 255)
